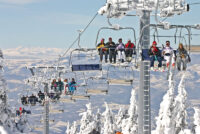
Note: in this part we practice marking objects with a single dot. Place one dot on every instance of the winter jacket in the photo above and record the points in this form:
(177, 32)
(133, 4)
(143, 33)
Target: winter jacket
(100, 45)
(120, 47)
(60, 85)
(129, 45)
(182, 53)
(111, 46)
(154, 51)
(167, 51)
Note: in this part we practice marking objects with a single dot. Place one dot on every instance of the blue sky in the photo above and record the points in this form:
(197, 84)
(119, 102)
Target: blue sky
(54, 23)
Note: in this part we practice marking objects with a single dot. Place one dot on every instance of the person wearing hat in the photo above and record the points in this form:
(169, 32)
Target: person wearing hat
(120, 50)
(155, 55)
(102, 50)
(129, 49)
(167, 52)
(112, 50)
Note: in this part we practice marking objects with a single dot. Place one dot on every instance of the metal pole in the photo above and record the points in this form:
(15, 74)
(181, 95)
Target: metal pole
(144, 91)
(46, 113)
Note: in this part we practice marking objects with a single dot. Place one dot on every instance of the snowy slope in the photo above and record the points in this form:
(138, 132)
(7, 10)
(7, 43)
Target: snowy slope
(15, 72)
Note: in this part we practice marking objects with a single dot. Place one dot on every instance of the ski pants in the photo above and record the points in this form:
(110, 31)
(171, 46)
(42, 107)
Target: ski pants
(129, 52)
(152, 59)
(121, 55)
(112, 55)
(105, 52)
(183, 61)
(167, 58)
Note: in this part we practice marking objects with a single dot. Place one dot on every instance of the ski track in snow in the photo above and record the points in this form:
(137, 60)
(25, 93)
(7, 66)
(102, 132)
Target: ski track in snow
(15, 72)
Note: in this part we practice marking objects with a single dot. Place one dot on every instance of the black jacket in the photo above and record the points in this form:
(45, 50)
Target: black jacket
(111, 46)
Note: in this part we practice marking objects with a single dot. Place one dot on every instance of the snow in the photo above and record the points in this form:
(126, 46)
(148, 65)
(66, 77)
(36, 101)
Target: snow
(118, 96)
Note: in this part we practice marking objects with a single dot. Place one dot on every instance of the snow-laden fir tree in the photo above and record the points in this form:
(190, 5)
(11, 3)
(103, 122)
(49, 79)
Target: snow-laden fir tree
(6, 116)
(197, 121)
(87, 123)
(5, 113)
(129, 125)
(179, 111)
(108, 119)
(164, 120)
(72, 129)
(122, 115)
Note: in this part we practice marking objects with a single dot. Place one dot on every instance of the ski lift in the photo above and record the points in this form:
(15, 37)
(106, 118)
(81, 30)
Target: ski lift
(124, 75)
(118, 29)
(78, 58)
(145, 55)
(97, 86)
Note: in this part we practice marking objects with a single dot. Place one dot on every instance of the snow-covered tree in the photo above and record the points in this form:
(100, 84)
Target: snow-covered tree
(119, 118)
(6, 115)
(129, 125)
(179, 111)
(87, 123)
(72, 129)
(109, 124)
(197, 121)
(164, 120)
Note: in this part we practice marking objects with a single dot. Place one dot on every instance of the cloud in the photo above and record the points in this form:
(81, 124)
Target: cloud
(19, 2)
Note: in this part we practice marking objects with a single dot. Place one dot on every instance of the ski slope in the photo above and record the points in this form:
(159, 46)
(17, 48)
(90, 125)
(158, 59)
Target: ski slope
(118, 96)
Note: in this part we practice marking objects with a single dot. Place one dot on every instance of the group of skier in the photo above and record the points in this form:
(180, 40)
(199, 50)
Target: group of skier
(124, 52)
(68, 87)
(171, 56)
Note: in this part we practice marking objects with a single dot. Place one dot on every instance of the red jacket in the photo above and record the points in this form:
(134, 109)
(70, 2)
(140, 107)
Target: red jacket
(129, 45)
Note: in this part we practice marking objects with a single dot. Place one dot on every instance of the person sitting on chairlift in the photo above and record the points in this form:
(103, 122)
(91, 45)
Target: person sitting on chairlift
(32, 99)
(72, 86)
(60, 85)
(182, 57)
(129, 50)
(41, 95)
(24, 100)
(169, 54)
(66, 86)
(54, 84)
(102, 50)
(155, 55)
(120, 50)
(112, 50)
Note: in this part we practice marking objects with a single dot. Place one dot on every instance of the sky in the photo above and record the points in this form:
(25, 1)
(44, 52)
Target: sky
(54, 23)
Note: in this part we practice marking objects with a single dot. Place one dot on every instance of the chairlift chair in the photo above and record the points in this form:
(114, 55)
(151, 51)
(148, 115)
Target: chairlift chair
(120, 28)
(78, 60)
(97, 86)
(144, 53)
(124, 74)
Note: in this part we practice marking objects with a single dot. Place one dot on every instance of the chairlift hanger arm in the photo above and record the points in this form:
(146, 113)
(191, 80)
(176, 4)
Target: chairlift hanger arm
(112, 28)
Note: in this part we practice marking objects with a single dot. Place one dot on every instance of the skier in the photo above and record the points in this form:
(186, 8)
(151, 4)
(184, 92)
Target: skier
(102, 50)
(66, 85)
(120, 49)
(112, 52)
(182, 57)
(167, 52)
(72, 86)
(32, 99)
(129, 50)
(23, 100)
(54, 84)
(60, 85)
(155, 55)
(41, 95)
